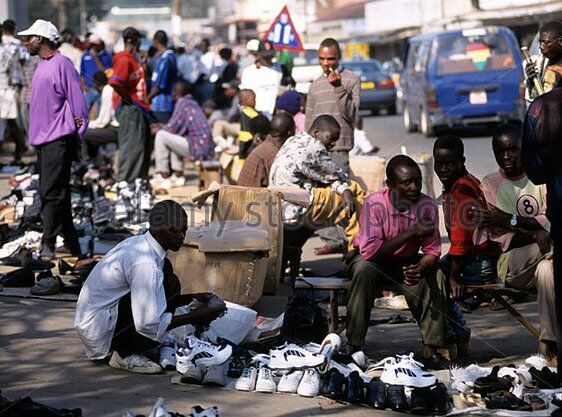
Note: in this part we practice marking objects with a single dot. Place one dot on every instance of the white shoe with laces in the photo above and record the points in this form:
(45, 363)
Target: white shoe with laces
(404, 370)
(310, 384)
(293, 356)
(202, 353)
(134, 363)
(290, 382)
(247, 382)
(265, 382)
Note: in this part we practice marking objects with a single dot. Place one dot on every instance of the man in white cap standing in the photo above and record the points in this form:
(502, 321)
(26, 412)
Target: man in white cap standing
(58, 120)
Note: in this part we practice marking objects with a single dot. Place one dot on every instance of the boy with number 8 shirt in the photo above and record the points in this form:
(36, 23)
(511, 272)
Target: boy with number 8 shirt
(517, 221)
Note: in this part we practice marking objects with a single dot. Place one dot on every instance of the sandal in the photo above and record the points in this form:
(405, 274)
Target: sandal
(504, 400)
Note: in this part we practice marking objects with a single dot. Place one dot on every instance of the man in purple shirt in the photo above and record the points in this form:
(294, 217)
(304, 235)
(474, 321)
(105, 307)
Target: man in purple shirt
(58, 121)
(395, 224)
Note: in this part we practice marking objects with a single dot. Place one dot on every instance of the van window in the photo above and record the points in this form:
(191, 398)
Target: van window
(421, 58)
(458, 54)
(412, 54)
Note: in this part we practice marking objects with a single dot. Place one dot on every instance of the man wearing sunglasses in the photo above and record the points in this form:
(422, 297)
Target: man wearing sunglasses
(550, 41)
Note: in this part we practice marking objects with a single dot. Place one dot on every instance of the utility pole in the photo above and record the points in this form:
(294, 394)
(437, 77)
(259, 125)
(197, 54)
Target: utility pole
(62, 14)
(83, 17)
(176, 21)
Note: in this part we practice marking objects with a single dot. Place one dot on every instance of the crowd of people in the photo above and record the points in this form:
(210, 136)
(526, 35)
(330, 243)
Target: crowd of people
(67, 97)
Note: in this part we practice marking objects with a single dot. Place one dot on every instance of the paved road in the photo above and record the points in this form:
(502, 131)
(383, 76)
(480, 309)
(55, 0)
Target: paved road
(388, 133)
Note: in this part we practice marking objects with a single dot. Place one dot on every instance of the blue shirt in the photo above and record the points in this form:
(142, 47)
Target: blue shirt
(164, 76)
(88, 66)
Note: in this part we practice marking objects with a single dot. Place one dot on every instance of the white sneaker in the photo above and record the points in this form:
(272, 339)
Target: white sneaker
(247, 382)
(202, 353)
(168, 357)
(404, 370)
(293, 356)
(199, 411)
(158, 182)
(360, 359)
(330, 345)
(215, 376)
(177, 181)
(290, 382)
(310, 384)
(191, 374)
(134, 363)
(265, 382)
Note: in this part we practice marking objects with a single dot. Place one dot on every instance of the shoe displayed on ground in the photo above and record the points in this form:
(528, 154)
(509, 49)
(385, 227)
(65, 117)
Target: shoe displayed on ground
(289, 383)
(360, 359)
(310, 383)
(376, 394)
(158, 182)
(64, 267)
(191, 374)
(440, 400)
(247, 382)
(18, 278)
(492, 383)
(396, 398)
(265, 382)
(335, 384)
(168, 357)
(293, 356)
(202, 353)
(420, 401)
(404, 370)
(504, 400)
(134, 363)
(199, 411)
(354, 389)
(236, 367)
(545, 378)
(215, 376)
(46, 286)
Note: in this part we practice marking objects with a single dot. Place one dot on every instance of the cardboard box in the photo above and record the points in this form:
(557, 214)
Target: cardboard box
(368, 172)
(229, 258)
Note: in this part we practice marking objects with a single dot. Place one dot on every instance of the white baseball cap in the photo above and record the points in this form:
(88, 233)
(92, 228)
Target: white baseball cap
(253, 45)
(42, 28)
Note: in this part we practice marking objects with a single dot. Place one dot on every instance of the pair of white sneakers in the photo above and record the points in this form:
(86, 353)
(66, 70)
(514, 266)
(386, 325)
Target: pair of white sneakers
(256, 378)
(405, 370)
(305, 383)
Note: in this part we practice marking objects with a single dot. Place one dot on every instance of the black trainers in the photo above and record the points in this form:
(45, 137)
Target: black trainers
(354, 391)
(335, 384)
(419, 401)
(396, 398)
(440, 400)
(19, 278)
(376, 394)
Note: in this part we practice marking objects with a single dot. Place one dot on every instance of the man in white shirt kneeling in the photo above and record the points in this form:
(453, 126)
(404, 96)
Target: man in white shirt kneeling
(128, 302)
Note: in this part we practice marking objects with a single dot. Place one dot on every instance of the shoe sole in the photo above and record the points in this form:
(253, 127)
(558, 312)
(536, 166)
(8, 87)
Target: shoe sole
(307, 394)
(265, 390)
(246, 389)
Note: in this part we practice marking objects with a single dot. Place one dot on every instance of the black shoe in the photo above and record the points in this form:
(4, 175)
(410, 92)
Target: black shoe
(440, 400)
(64, 267)
(436, 363)
(397, 398)
(545, 378)
(335, 384)
(236, 367)
(354, 391)
(492, 383)
(19, 278)
(376, 394)
(419, 401)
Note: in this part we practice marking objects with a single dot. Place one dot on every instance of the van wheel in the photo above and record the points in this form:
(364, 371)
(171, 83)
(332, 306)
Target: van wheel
(425, 125)
(408, 124)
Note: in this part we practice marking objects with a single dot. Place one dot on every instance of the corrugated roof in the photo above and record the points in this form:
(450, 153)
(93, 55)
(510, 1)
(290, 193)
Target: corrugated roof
(349, 11)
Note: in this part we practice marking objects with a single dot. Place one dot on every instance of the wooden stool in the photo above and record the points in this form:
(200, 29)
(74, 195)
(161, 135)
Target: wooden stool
(332, 285)
(209, 171)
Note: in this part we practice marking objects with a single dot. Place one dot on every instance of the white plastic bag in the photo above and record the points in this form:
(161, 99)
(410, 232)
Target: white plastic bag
(234, 325)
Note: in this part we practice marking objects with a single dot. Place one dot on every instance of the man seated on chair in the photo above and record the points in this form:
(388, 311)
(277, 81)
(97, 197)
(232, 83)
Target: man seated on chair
(128, 302)
(396, 223)
(517, 221)
(469, 261)
(255, 172)
(304, 161)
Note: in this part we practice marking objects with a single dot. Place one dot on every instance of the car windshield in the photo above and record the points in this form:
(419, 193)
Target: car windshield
(463, 53)
(363, 68)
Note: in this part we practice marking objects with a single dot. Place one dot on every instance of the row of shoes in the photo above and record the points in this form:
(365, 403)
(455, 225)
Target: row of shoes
(421, 401)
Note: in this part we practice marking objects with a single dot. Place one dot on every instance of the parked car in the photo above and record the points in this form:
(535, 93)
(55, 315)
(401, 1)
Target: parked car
(461, 78)
(377, 87)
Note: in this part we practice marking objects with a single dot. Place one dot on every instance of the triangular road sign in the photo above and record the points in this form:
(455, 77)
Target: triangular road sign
(282, 32)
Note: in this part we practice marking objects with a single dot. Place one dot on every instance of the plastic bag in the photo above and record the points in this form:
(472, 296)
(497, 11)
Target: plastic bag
(234, 325)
